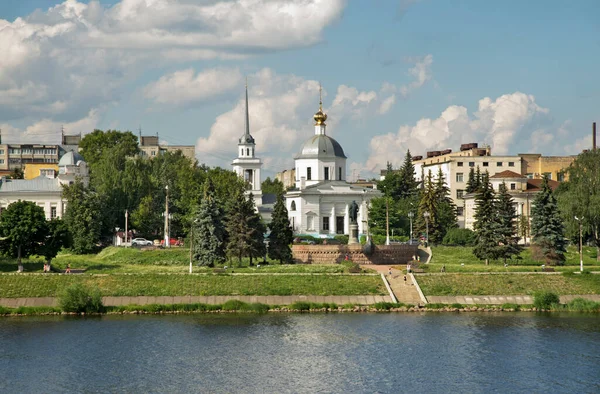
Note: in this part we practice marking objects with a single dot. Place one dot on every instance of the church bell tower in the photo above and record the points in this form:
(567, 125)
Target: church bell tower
(247, 165)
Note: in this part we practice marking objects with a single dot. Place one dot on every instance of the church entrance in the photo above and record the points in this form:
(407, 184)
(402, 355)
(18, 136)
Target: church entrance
(339, 225)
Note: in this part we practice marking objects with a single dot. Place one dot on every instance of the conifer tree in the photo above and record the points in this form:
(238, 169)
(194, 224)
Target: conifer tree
(256, 247)
(547, 229)
(487, 229)
(428, 203)
(407, 183)
(471, 182)
(209, 230)
(281, 233)
(507, 220)
(239, 230)
(446, 209)
(479, 181)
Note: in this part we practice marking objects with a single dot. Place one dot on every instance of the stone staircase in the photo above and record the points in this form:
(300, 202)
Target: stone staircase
(405, 292)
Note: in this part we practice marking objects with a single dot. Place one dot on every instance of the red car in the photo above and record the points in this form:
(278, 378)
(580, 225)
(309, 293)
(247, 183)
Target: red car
(172, 242)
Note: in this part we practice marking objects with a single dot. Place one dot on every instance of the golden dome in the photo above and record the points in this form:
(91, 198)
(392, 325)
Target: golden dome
(320, 117)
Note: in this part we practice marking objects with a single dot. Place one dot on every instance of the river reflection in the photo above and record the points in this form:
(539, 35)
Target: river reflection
(387, 353)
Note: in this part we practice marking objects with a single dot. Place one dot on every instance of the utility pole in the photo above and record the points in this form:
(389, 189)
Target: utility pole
(126, 215)
(167, 244)
(580, 243)
(191, 245)
(387, 222)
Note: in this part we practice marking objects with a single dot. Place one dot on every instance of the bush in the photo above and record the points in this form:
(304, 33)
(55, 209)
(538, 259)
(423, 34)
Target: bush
(342, 239)
(80, 299)
(459, 237)
(300, 306)
(386, 306)
(234, 305)
(515, 307)
(583, 305)
(545, 299)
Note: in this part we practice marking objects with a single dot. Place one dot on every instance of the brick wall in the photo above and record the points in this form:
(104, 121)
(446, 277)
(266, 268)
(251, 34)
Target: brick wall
(329, 254)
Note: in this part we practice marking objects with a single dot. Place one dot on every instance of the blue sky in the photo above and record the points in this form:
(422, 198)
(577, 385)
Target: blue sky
(520, 76)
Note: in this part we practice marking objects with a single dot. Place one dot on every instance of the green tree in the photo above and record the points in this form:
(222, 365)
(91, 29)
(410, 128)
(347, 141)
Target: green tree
(391, 184)
(471, 182)
(428, 203)
(523, 227)
(547, 228)
(487, 228)
(408, 185)
(94, 145)
(209, 230)
(446, 210)
(281, 233)
(23, 227)
(507, 221)
(580, 197)
(239, 231)
(274, 186)
(16, 173)
(83, 217)
(256, 246)
(57, 238)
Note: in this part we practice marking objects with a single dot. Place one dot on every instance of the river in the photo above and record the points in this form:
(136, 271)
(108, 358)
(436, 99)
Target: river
(302, 353)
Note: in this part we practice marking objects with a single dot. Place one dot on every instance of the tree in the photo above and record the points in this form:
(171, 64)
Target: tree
(209, 230)
(428, 203)
(524, 227)
(274, 186)
(507, 220)
(408, 185)
(256, 247)
(487, 228)
(16, 173)
(94, 145)
(58, 237)
(446, 210)
(281, 233)
(83, 217)
(546, 227)
(580, 196)
(471, 182)
(239, 231)
(23, 227)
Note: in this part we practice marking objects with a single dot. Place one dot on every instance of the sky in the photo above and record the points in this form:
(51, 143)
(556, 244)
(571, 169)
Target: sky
(519, 76)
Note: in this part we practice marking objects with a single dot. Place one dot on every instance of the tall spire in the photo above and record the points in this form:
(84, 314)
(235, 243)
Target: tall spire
(320, 117)
(320, 97)
(247, 116)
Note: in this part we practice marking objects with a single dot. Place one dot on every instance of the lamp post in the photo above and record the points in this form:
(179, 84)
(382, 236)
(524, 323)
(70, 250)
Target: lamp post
(426, 215)
(167, 230)
(387, 222)
(580, 243)
(410, 216)
(117, 243)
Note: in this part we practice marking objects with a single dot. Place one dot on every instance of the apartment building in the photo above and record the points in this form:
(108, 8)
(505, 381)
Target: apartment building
(287, 177)
(150, 147)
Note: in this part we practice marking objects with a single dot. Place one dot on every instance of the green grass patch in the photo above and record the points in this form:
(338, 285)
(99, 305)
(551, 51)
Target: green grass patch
(24, 285)
(507, 284)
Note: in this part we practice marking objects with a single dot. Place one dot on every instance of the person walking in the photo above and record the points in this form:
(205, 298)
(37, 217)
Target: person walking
(68, 270)
(390, 272)
(404, 280)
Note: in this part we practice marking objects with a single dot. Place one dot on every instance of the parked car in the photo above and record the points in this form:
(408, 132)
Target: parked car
(140, 242)
(172, 242)
(157, 242)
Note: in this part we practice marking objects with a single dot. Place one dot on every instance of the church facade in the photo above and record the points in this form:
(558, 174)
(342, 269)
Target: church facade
(319, 204)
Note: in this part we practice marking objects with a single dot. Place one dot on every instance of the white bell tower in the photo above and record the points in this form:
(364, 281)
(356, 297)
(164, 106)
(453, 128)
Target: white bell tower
(247, 165)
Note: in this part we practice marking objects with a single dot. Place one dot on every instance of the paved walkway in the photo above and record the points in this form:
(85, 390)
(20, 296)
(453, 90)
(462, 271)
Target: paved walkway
(142, 300)
(405, 292)
(499, 300)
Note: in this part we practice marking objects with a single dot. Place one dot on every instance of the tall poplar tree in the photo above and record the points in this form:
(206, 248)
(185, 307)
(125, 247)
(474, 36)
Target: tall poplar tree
(281, 233)
(547, 227)
(486, 225)
(208, 230)
(507, 220)
(83, 217)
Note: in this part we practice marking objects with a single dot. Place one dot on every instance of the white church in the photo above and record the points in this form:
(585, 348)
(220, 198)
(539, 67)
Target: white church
(318, 205)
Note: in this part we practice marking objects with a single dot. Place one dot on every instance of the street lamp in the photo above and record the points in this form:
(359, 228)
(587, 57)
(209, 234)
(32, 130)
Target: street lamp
(117, 243)
(410, 216)
(426, 215)
(580, 243)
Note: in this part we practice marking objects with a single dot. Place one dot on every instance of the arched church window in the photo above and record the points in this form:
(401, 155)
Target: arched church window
(247, 152)
(293, 206)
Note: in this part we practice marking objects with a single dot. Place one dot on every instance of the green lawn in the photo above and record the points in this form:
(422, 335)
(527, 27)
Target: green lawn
(507, 284)
(461, 259)
(49, 285)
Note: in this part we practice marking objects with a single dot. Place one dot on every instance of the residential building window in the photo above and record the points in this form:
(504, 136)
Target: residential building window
(293, 206)
(326, 173)
(308, 174)
(325, 223)
(561, 176)
(459, 163)
(339, 173)
(1, 161)
(511, 163)
(471, 164)
(153, 153)
(310, 222)
(486, 164)
(1, 151)
(499, 164)
(460, 193)
(52, 212)
(513, 186)
(460, 211)
(459, 177)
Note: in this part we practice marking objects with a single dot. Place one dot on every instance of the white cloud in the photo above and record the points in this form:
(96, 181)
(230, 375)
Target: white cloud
(501, 123)
(185, 87)
(75, 56)
(387, 104)
(421, 73)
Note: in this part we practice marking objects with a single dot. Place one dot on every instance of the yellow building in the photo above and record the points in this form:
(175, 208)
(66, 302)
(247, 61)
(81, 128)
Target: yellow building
(534, 166)
(33, 170)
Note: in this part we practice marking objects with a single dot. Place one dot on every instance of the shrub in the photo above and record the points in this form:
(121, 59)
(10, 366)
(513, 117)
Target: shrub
(81, 299)
(583, 305)
(459, 237)
(300, 306)
(386, 306)
(545, 299)
(234, 305)
(515, 307)
(342, 239)
(457, 306)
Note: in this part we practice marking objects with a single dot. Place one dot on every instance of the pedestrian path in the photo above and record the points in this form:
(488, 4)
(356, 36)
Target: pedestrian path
(405, 291)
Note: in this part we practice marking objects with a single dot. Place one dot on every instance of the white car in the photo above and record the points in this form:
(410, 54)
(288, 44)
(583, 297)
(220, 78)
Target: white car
(141, 242)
